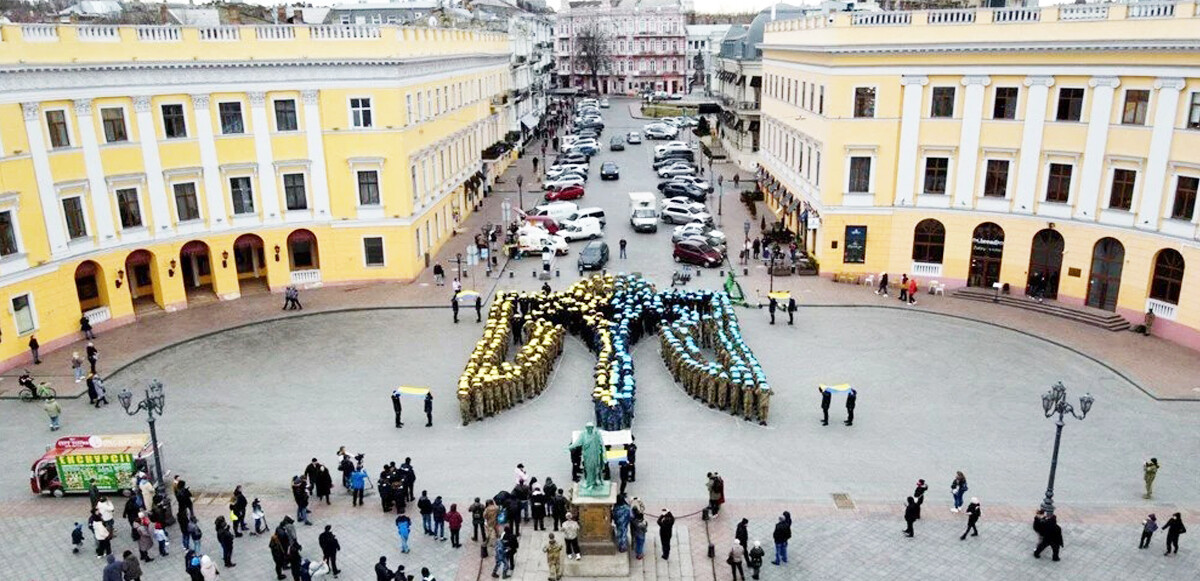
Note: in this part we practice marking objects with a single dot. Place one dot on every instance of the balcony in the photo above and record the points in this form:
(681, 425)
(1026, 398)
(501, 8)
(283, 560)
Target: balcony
(1162, 309)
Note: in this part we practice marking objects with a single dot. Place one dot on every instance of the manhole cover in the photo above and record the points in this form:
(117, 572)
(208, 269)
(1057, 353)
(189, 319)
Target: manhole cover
(842, 501)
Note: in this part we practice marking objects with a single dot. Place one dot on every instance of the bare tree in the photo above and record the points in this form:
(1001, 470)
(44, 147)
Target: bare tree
(594, 50)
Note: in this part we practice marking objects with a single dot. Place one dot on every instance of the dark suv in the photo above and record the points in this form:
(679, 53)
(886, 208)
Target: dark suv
(593, 256)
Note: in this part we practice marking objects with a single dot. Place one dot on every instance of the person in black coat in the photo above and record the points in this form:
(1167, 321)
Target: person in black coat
(783, 533)
(454, 307)
(478, 310)
(771, 306)
(1174, 527)
(1051, 535)
(429, 408)
(825, 400)
(791, 310)
(329, 549)
(382, 572)
(973, 514)
(623, 473)
(537, 506)
(742, 533)
(851, 401)
(919, 494)
(397, 407)
(911, 513)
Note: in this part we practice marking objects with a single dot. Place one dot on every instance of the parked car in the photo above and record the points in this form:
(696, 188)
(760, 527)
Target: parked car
(660, 132)
(609, 171)
(582, 229)
(590, 212)
(616, 143)
(604, 103)
(565, 194)
(676, 170)
(545, 222)
(556, 210)
(572, 158)
(673, 189)
(698, 253)
(676, 212)
(673, 157)
(634, 137)
(564, 182)
(671, 146)
(690, 180)
(593, 256)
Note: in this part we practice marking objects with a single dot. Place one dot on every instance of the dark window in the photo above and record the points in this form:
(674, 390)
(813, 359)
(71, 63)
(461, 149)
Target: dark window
(860, 175)
(864, 102)
(129, 208)
(1070, 104)
(1193, 120)
(1058, 187)
(73, 212)
(114, 124)
(285, 115)
(995, 182)
(174, 123)
(231, 118)
(1185, 198)
(929, 241)
(1168, 276)
(293, 189)
(1005, 106)
(943, 102)
(1137, 104)
(373, 251)
(368, 188)
(186, 206)
(8, 234)
(86, 288)
(1121, 196)
(936, 171)
(243, 196)
(56, 123)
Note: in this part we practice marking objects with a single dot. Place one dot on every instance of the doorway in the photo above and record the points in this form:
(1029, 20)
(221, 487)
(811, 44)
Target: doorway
(250, 261)
(1104, 283)
(139, 275)
(1045, 261)
(987, 252)
(195, 267)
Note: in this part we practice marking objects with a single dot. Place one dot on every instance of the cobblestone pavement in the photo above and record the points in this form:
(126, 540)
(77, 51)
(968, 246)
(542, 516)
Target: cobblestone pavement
(939, 394)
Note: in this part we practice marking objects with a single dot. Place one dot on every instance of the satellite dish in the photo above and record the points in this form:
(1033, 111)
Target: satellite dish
(433, 21)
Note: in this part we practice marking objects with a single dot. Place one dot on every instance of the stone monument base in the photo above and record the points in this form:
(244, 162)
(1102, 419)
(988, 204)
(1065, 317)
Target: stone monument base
(595, 525)
(593, 565)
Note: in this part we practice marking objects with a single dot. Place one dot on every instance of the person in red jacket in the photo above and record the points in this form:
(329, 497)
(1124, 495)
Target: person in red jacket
(454, 520)
(912, 291)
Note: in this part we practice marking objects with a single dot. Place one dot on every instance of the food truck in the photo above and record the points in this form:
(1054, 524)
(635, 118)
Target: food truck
(73, 463)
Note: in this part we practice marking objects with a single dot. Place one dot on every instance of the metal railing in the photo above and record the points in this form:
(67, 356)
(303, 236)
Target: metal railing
(310, 276)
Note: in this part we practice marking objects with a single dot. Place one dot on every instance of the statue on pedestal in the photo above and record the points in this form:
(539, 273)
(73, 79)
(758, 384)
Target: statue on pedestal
(591, 446)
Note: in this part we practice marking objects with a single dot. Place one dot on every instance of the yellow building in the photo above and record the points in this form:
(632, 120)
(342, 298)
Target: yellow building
(1011, 145)
(149, 167)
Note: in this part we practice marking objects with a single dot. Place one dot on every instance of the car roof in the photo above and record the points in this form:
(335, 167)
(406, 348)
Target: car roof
(595, 244)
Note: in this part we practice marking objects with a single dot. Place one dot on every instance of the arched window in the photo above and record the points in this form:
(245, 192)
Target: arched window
(1168, 276)
(929, 241)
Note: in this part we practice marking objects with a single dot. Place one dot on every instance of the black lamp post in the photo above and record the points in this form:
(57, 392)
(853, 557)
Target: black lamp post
(521, 192)
(1055, 402)
(153, 402)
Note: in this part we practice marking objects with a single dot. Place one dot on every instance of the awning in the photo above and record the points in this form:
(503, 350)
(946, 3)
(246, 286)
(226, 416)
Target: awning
(194, 247)
(755, 81)
(530, 121)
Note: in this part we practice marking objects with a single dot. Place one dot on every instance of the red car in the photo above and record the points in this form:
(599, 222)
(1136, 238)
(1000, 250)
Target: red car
(545, 222)
(698, 253)
(567, 193)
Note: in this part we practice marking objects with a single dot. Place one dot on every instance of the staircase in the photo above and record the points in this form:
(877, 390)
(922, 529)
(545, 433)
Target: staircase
(1086, 315)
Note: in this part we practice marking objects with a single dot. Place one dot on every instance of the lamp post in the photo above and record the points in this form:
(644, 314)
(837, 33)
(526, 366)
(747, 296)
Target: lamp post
(153, 403)
(520, 192)
(1055, 402)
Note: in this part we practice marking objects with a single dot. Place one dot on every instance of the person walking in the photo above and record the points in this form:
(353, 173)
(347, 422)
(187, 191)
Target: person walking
(771, 306)
(382, 571)
(358, 486)
(403, 528)
(425, 507)
(501, 566)
(1174, 527)
(1149, 473)
(958, 487)
(454, 520)
(851, 401)
(666, 525)
(53, 411)
(195, 535)
(742, 533)
(85, 326)
(735, 562)
(537, 506)
(103, 538)
(570, 531)
(904, 288)
(755, 246)
(973, 514)
(554, 553)
(278, 555)
(77, 366)
(781, 536)
(300, 495)
(910, 515)
(755, 559)
(511, 544)
(826, 398)
(791, 310)
(429, 410)
(912, 291)
(622, 244)
(1049, 534)
(114, 570)
(439, 274)
(1149, 525)
(478, 310)
(883, 284)
(33, 349)
(329, 549)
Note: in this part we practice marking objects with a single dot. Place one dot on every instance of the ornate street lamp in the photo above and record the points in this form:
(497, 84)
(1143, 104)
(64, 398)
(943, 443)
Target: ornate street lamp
(153, 402)
(1055, 402)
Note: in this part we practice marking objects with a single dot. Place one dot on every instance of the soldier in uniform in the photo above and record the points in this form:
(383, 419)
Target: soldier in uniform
(764, 403)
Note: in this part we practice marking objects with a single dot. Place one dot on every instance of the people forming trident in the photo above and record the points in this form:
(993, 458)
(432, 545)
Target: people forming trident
(611, 313)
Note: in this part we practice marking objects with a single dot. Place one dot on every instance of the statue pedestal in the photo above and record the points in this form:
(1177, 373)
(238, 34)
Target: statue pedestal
(595, 522)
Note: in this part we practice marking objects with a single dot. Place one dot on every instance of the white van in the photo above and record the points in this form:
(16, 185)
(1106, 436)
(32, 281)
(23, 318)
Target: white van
(581, 229)
(643, 211)
(533, 240)
(593, 212)
(557, 211)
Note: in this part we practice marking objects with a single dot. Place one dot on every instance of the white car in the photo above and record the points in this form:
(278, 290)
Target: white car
(633, 137)
(566, 142)
(694, 229)
(676, 170)
(586, 141)
(559, 171)
(581, 229)
(671, 146)
(658, 133)
(558, 184)
(693, 181)
(682, 213)
(604, 103)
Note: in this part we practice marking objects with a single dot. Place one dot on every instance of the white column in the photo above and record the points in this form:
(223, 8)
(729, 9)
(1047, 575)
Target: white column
(214, 193)
(152, 164)
(269, 193)
(968, 147)
(1092, 168)
(56, 232)
(1165, 106)
(910, 131)
(316, 154)
(1031, 143)
(101, 202)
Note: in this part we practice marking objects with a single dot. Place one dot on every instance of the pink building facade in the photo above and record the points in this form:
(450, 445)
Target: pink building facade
(646, 41)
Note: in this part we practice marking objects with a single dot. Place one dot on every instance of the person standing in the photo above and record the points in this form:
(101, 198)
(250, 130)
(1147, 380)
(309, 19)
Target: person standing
(358, 486)
(300, 495)
(537, 506)
(973, 514)
(93, 355)
(429, 409)
(77, 367)
(477, 523)
(85, 326)
(425, 507)
(958, 487)
(239, 511)
(439, 519)
(791, 310)
(454, 306)
(903, 288)
(666, 525)
(53, 410)
(1149, 473)
(754, 248)
(639, 527)
(478, 309)
(397, 407)
(558, 508)
(755, 559)
(439, 274)
(103, 538)
(382, 571)
(781, 536)
(1148, 323)
(145, 537)
(742, 533)
(324, 484)
(33, 349)
(771, 306)
(454, 520)
(329, 549)
(511, 544)
(1148, 527)
(851, 401)
(622, 244)
(225, 539)
(826, 398)
(919, 495)
(570, 530)
(130, 567)
(735, 562)
(911, 511)
(403, 528)
(553, 552)
(1174, 527)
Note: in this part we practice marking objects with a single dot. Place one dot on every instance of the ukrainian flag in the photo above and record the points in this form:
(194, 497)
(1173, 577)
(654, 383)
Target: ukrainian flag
(410, 390)
(839, 388)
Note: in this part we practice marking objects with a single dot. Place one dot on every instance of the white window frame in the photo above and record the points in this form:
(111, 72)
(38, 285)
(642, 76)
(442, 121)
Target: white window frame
(868, 151)
(162, 120)
(408, 108)
(82, 194)
(375, 164)
(303, 172)
(1178, 170)
(33, 317)
(925, 157)
(11, 203)
(241, 113)
(275, 116)
(351, 110)
(70, 128)
(253, 194)
(1059, 209)
(358, 184)
(137, 188)
(124, 121)
(382, 248)
(175, 204)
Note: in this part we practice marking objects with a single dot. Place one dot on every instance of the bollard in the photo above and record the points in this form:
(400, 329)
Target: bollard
(556, 273)
(721, 274)
(745, 272)
(533, 273)
(699, 271)
(511, 273)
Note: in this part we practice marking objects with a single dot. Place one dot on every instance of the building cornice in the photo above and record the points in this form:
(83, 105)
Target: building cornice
(995, 47)
(246, 64)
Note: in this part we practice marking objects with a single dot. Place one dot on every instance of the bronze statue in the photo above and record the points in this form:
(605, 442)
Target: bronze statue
(592, 448)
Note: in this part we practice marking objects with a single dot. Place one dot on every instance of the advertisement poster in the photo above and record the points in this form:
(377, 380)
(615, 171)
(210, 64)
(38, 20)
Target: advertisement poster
(855, 251)
(108, 471)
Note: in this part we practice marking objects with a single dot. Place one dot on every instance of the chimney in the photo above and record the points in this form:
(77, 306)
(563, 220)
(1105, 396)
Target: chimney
(162, 13)
(298, 16)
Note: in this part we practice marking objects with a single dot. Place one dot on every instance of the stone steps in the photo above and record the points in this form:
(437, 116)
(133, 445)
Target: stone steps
(531, 561)
(1094, 317)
